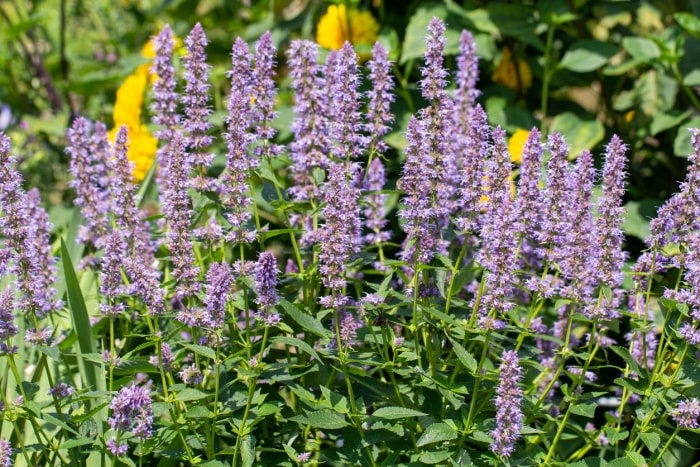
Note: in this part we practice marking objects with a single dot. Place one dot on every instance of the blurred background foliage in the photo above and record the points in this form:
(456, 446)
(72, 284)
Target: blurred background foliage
(586, 69)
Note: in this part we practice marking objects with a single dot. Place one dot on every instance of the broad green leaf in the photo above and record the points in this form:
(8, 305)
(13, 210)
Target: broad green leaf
(622, 462)
(298, 343)
(201, 350)
(325, 419)
(515, 20)
(248, 450)
(692, 78)
(587, 55)
(651, 440)
(393, 413)
(75, 442)
(435, 433)
(585, 410)
(639, 213)
(464, 356)
(642, 50)
(664, 121)
(579, 133)
(305, 321)
(434, 457)
(191, 394)
(689, 22)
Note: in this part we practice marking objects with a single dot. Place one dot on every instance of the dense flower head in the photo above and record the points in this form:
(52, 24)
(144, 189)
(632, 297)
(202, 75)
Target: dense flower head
(687, 413)
(165, 98)
(507, 402)
(346, 123)
(191, 375)
(7, 317)
(5, 453)
(263, 96)
(332, 30)
(115, 449)
(340, 233)
(195, 99)
(556, 197)
(467, 75)
(132, 410)
(475, 149)
(266, 280)
(375, 212)
(379, 116)
(434, 74)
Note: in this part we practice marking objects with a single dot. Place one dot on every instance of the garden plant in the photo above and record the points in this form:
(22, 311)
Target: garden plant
(260, 289)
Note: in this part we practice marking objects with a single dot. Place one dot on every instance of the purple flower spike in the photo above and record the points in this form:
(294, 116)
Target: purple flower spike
(195, 101)
(218, 288)
(233, 185)
(467, 75)
(132, 410)
(178, 214)
(475, 147)
(89, 167)
(346, 126)
(266, 280)
(381, 96)
(687, 413)
(263, 94)
(556, 199)
(375, 213)
(6, 453)
(434, 74)
(310, 146)
(165, 98)
(340, 232)
(111, 287)
(507, 402)
(8, 329)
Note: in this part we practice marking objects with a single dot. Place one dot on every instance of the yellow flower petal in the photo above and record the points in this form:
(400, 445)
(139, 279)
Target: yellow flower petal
(516, 143)
(332, 28)
(506, 74)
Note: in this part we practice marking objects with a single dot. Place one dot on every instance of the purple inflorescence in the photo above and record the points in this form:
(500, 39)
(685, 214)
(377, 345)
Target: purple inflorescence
(375, 212)
(5, 453)
(176, 207)
(112, 286)
(311, 144)
(266, 280)
(61, 390)
(467, 75)
(556, 200)
(528, 204)
(687, 413)
(132, 410)
(233, 185)
(474, 147)
(346, 123)
(89, 166)
(508, 400)
(191, 375)
(165, 98)
(217, 290)
(339, 234)
(263, 96)
(7, 317)
(166, 356)
(379, 116)
(115, 449)
(195, 101)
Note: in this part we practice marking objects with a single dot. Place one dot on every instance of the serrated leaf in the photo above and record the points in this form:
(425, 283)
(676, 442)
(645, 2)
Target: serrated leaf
(201, 350)
(585, 410)
(302, 319)
(651, 440)
(325, 419)
(393, 413)
(464, 356)
(190, 394)
(435, 433)
(587, 55)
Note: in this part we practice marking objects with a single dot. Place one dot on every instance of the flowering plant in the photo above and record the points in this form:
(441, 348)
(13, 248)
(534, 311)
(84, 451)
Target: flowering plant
(276, 310)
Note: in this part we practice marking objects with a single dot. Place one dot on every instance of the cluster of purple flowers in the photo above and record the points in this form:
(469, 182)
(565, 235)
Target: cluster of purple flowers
(132, 411)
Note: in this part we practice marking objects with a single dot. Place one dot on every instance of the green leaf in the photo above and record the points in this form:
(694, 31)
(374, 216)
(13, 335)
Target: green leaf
(628, 358)
(642, 50)
(435, 433)
(515, 20)
(580, 133)
(191, 394)
(75, 442)
(298, 343)
(305, 321)
(639, 213)
(91, 372)
(416, 31)
(587, 55)
(689, 22)
(201, 350)
(622, 462)
(651, 440)
(393, 413)
(464, 356)
(585, 410)
(663, 121)
(637, 458)
(635, 386)
(248, 450)
(325, 419)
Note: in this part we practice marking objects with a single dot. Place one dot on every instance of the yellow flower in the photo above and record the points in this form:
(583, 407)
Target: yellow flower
(506, 73)
(516, 143)
(149, 52)
(332, 29)
(127, 107)
(142, 149)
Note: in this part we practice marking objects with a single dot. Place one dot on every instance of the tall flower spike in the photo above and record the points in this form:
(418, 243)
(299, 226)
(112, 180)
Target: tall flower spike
(165, 97)
(233, 185)
(507, 402)
(88, 165)
(381, 96)
(610, 258)
(111, 286)
(5, 453)
(266, 280)
(499, 239)
(178, 214)
(218, 288)
(310, 146)
(475, 147)
(556, 197)
(338, 234)
(346, 125)
(418, 214)
(263, 95)
(7, 317)
(467, 75)
(195, 101)
(132, 410)
(375, 213)
(578, 242)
